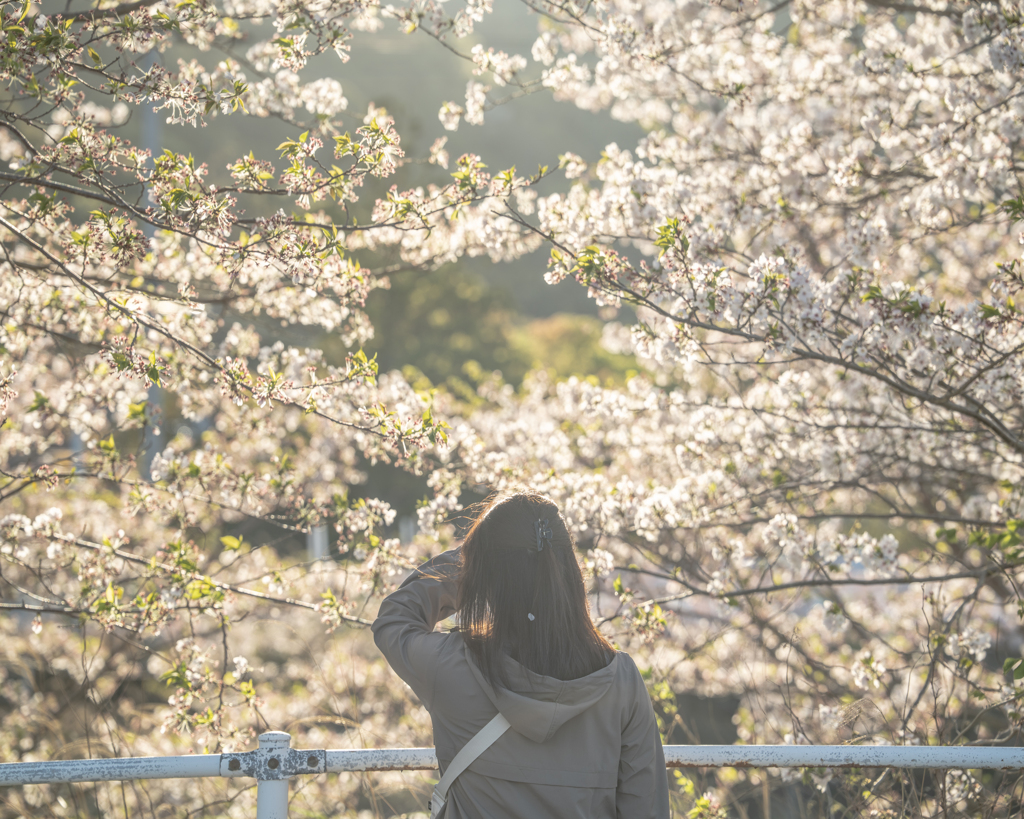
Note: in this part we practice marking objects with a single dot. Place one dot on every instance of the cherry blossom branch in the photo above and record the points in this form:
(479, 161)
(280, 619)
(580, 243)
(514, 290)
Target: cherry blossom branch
(908, 580)
(135, 318)
(231, 587)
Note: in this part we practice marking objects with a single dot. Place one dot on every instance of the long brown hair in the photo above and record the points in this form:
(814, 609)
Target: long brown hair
(527, 603)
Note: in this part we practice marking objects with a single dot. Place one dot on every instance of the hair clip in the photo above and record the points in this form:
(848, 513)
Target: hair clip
(543, 532)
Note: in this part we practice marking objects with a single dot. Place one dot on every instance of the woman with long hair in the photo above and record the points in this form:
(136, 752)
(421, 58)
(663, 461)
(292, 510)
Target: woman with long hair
(561, 723)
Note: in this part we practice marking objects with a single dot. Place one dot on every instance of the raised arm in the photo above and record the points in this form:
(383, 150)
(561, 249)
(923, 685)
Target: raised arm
(404, 628)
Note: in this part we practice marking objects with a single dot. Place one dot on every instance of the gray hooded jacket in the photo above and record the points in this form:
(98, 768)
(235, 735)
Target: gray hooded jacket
(578, 749)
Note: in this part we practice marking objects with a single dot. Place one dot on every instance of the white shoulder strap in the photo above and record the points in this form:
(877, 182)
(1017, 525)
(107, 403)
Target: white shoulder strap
(483, 740)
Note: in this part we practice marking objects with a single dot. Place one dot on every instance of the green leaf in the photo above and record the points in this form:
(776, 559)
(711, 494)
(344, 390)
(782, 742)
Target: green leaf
(153, 371)
(670, 236)
(232, 544)
(176, 676)
(113, 594)
(39, 402)
(108, 447)
(1014, 208)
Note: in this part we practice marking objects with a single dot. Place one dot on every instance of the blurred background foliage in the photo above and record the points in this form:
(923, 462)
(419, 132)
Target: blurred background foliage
(452, 329)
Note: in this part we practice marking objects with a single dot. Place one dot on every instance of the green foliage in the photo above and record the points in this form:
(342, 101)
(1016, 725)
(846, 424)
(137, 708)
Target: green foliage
(707, 807)
(468, 173)
(670, 236)
(177, 676)
(591, 263)
(567, 345)
(1010, 539)
(1015, 208)
(447, 319)
(39, 402)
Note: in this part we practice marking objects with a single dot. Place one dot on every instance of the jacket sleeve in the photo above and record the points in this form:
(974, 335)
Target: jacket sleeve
(642, 791)
(404, 628)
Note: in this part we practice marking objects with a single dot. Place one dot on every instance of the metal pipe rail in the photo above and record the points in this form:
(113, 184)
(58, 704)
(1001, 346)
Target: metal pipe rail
(275, 762)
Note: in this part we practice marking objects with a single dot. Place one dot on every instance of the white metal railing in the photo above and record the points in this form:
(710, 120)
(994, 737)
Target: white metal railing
(275, 762)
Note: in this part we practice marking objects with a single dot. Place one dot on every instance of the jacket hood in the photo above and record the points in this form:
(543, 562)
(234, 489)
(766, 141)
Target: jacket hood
(537, 706)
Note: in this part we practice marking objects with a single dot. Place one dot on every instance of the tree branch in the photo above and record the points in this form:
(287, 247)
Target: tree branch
(113, 11)
(913, 8)
(242, 590)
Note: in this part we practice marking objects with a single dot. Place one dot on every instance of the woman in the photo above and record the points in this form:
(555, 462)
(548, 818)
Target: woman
(583, 742)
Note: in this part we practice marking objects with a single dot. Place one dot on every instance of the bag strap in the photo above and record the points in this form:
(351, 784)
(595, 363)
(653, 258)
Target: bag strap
(483, 740)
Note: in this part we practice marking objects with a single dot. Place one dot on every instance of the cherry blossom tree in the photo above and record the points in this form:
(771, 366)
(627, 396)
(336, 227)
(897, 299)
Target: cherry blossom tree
(810, 500)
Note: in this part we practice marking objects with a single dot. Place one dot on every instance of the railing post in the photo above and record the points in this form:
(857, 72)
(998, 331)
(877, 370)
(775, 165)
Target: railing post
(272, 794)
